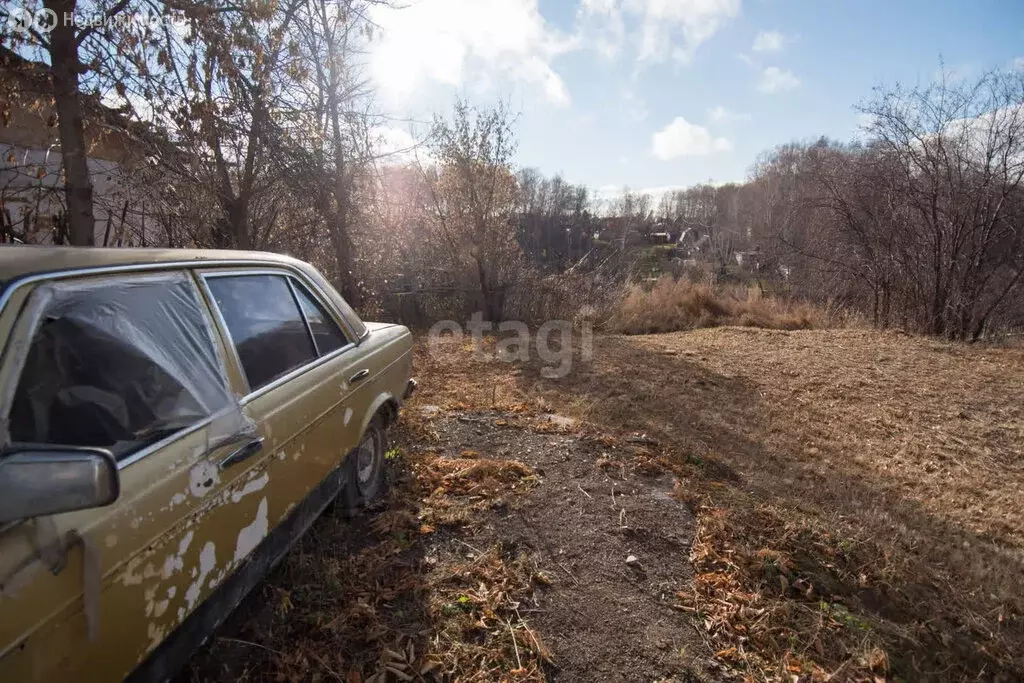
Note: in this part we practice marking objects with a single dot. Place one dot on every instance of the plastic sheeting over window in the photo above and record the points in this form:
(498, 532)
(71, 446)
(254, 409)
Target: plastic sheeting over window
(120, 363)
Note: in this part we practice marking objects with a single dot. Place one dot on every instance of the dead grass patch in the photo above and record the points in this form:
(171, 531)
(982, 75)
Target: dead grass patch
(678, 304)
(460, 488)
(461, 378)
(476, 603)
(856, 496)
(857, 492)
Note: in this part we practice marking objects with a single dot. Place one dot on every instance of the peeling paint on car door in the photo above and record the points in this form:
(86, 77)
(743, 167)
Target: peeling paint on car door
(160, 549)
(303, 418)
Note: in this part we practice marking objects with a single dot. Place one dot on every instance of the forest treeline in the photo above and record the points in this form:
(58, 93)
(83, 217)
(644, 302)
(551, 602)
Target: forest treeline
(257, 130)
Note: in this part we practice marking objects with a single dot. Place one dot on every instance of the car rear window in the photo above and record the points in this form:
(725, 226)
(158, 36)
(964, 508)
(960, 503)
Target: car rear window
(348, 315)
(266, 325)
(326, 332)
(117, 363)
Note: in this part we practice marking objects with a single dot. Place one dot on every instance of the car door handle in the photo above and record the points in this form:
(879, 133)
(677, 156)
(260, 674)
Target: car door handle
(359, 376)
(243, 452)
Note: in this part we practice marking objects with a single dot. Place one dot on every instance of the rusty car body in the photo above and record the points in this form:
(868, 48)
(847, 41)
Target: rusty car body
(170, 422)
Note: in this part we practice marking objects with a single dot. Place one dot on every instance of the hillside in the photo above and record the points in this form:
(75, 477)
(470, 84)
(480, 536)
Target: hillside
(796, 505)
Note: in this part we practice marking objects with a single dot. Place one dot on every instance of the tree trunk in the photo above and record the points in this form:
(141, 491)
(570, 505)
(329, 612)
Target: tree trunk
(340, 229)
(238, 216)
(340, 223)
(346, 264)
(493, 296)
(65, 68)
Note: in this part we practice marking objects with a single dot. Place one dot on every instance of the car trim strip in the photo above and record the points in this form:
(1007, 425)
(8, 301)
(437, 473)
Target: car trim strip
(305, 318)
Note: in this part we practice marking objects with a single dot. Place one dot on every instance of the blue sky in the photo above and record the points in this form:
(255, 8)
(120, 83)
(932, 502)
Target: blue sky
(665, 93)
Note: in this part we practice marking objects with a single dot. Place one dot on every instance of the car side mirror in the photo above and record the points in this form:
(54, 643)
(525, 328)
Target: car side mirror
(46, 481)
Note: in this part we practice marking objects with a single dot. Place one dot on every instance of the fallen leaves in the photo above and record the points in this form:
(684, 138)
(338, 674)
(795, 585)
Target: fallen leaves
(476, 604)
(460, 487)
(410, 605)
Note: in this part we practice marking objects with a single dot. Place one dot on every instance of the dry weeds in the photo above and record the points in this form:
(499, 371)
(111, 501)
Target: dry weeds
(857, 492)
(679, 304)
(399, 608)
(884, 492)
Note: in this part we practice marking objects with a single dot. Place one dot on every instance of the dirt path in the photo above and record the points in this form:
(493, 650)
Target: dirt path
(603, 618)
(604, 545)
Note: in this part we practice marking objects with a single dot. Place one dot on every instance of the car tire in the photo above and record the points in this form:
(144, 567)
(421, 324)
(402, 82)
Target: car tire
(364, 480)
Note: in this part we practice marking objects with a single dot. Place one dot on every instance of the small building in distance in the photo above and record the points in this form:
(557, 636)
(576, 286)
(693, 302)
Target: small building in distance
(32, 208)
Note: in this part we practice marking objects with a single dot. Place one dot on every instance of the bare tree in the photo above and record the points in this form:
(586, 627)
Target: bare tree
(952, 154)
(330, 119)
(473, 192)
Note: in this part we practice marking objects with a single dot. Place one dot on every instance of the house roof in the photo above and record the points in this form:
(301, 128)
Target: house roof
(33, 79)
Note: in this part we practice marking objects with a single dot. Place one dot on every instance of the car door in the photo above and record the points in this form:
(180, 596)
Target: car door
(309, 411)
(132, 363)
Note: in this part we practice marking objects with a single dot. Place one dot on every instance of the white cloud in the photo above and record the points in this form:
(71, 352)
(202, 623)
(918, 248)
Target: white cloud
(769, 41)
(667, 28)
(682, 138)
(465, 42)
(658, 193)
(598, 6)
(605, 196)
(606, 192)
(1017, 64)
(774, 80)
(695, 20)
(976, 135)
(395, 144)
(721, 114)
(601, 21)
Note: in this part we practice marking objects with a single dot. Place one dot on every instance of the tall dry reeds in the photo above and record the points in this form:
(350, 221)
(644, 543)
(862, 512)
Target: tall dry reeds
(678, 304)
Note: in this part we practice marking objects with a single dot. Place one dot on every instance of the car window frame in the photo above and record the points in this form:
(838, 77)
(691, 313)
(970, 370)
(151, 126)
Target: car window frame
(204, 274)
(221, 320)
(293, 285)
(14, 377)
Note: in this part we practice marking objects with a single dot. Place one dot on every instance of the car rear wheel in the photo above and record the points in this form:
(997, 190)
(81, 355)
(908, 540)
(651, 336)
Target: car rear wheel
(365, 470)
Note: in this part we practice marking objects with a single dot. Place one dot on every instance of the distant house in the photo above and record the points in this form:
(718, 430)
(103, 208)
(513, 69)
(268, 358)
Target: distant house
(31, 172)
(610, 228)
(691, 241)
(752, 261)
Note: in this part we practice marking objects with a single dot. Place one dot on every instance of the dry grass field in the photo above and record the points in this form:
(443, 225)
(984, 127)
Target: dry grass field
(875, 479)
(805, 505)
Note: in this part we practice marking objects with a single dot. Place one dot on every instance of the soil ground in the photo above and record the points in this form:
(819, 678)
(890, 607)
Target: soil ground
(812, 505)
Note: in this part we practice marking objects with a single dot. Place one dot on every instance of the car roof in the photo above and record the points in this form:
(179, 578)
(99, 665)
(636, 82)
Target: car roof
(18, 261)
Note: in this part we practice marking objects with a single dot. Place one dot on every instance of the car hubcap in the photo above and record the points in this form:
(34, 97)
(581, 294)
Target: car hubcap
(366, 461)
